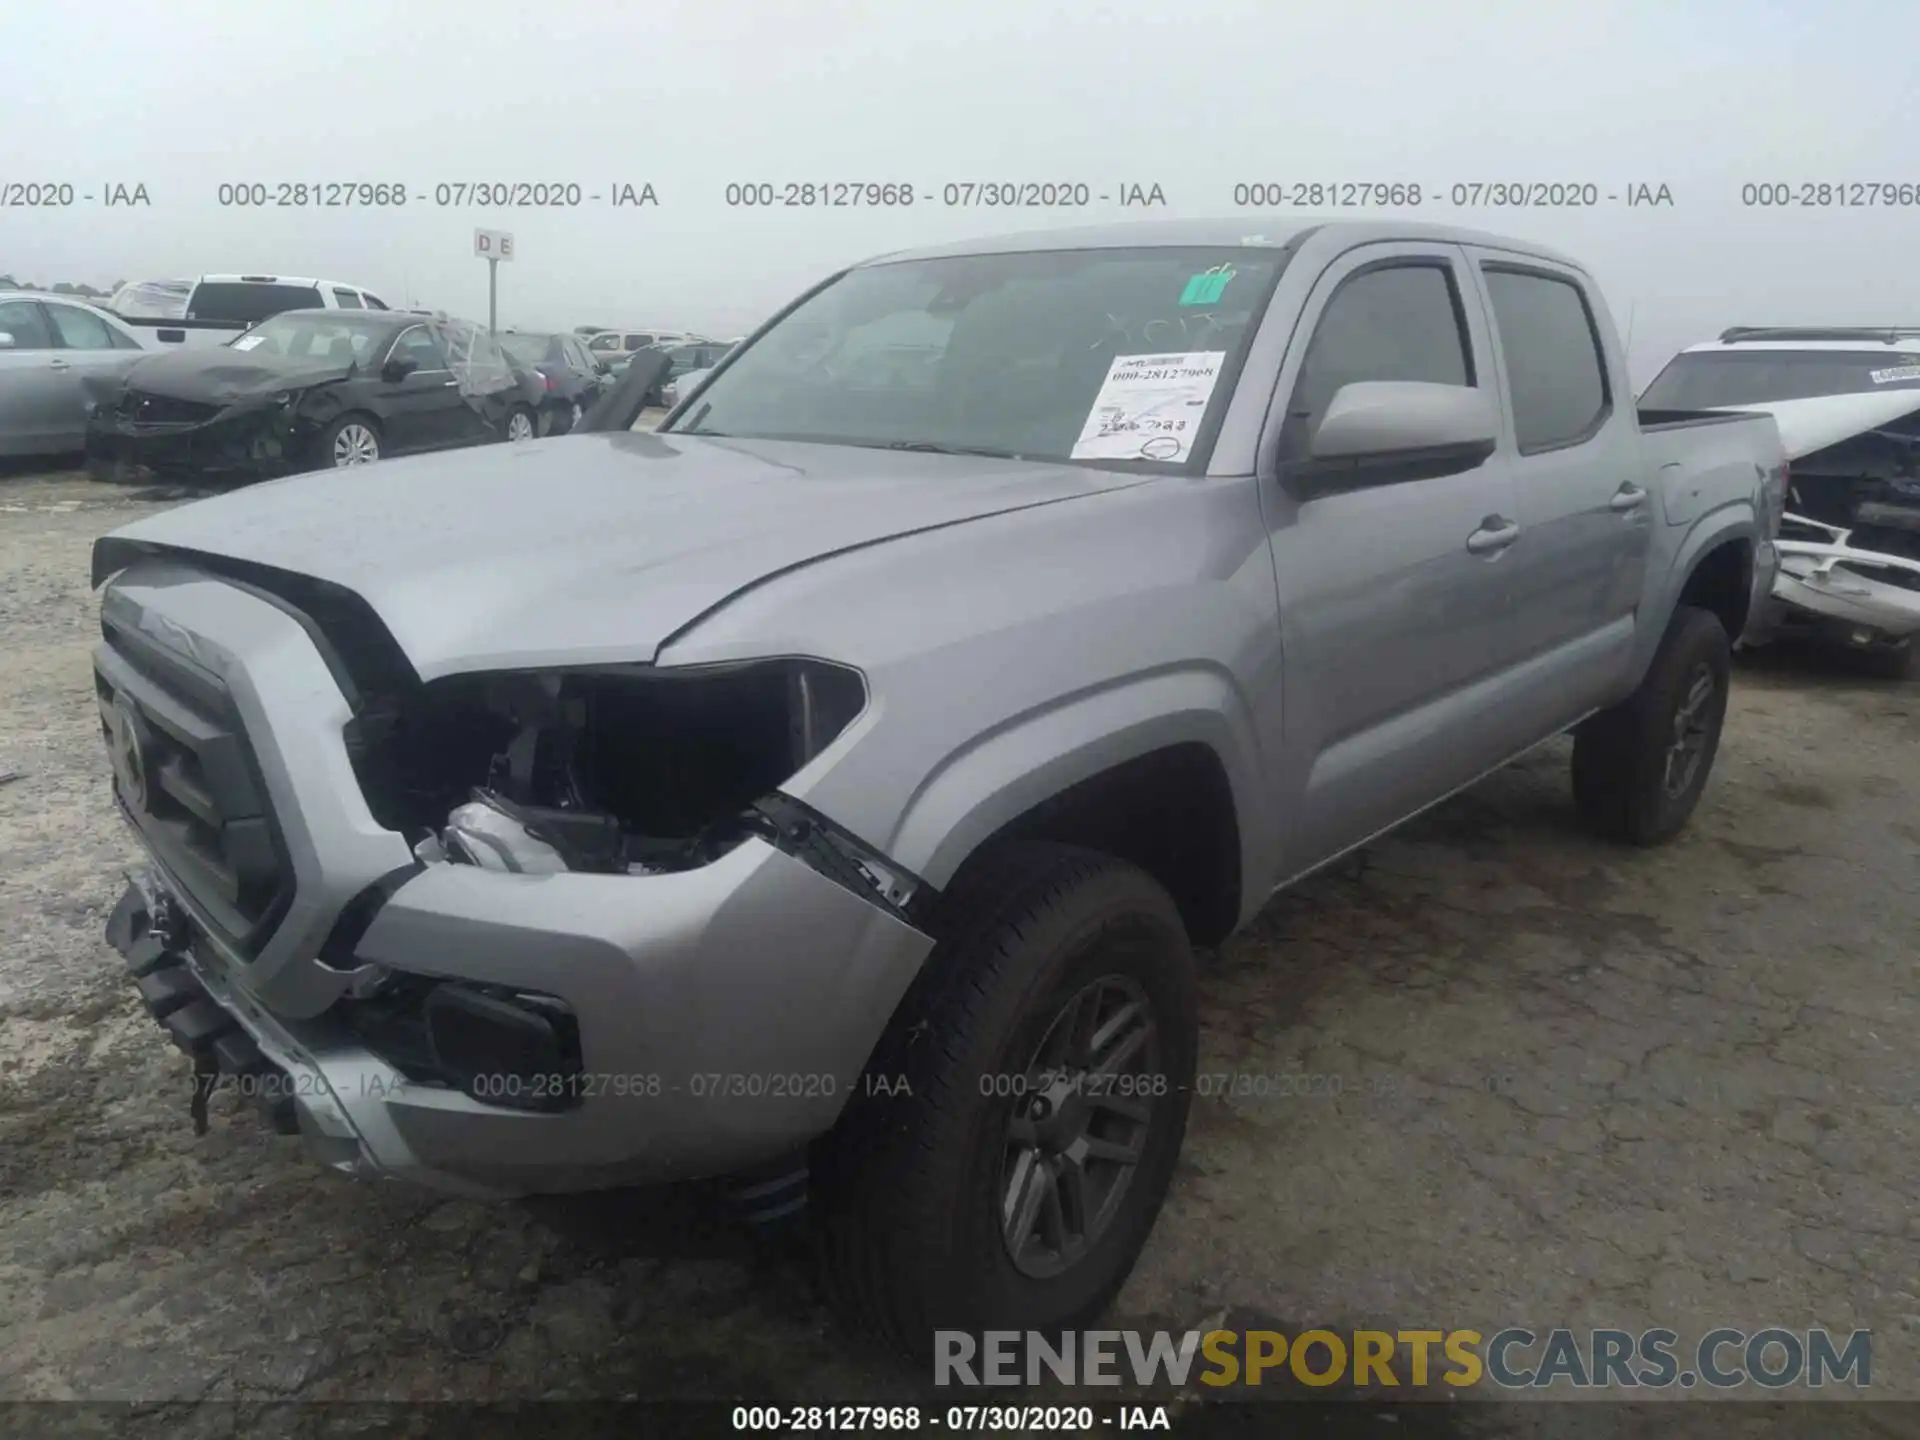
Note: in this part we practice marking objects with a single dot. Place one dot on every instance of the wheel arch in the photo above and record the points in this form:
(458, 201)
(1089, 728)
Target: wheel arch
(1160, 772)
(1713, 570)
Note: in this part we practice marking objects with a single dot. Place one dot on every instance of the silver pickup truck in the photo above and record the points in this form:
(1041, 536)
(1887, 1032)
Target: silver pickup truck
(830, 788)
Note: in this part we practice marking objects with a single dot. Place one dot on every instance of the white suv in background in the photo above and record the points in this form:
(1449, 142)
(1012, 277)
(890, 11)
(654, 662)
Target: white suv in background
(1847, 400)
(214, 308)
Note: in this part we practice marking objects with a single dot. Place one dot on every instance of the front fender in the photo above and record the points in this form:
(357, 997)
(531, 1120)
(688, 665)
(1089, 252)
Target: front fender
(979, 788)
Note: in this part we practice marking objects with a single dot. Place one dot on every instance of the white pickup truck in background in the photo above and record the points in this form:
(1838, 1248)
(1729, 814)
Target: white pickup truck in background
(1847, 401)
(212, 309)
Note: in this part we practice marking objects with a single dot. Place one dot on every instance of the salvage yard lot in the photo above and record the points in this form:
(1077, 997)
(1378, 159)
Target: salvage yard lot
(1577, 1086)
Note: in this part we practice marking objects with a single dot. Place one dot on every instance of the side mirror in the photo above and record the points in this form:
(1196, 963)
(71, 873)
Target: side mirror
(1378, 432)
(398, 368)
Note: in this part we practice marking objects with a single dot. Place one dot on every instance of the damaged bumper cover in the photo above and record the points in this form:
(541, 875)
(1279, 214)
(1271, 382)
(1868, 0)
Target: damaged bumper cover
(250, 441)
(479, 1030)
(1830, 585)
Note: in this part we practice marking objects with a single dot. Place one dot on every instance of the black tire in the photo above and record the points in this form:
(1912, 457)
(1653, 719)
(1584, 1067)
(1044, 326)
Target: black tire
(908, 1186)
(326, 448)
(1631, 780)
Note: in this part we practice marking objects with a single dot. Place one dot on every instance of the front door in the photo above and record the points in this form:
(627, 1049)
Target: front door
(422, 410)
(1395, 614)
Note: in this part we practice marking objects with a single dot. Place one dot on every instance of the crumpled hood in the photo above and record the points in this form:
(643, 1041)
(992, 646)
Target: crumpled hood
(587, 548)
(222, 376)
(1810, 425)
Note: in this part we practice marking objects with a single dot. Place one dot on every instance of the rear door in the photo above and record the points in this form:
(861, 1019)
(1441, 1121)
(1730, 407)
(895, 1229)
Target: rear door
(1586, 510)
(1394, 631)
(86, 349)
(30, 385)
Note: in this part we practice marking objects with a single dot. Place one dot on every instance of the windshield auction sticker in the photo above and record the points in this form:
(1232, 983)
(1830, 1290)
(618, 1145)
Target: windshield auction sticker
(1149, 407)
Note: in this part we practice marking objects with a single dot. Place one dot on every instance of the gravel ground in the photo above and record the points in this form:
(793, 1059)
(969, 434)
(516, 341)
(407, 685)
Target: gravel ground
(1580, 1086)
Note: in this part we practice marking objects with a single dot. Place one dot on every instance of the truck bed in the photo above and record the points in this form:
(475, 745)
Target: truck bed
(1693, 454)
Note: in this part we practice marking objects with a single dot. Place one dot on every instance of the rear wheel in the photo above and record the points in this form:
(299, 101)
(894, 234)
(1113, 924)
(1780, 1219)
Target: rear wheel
(520, 424)
(350, 440)
(1640, 767)
(1006, 1159)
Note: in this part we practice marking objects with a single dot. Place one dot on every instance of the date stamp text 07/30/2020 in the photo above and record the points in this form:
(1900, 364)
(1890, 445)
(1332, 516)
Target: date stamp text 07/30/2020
(54, 193)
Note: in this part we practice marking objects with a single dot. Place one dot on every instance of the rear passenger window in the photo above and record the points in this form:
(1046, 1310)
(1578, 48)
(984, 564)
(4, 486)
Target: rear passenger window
(1553, 358)
(1400, 322)
(79, 330)
(347, 299)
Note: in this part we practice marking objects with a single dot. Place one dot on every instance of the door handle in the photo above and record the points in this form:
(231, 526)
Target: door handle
(1628, 497)
(448, 384)
(1495, 534)
(59, 365)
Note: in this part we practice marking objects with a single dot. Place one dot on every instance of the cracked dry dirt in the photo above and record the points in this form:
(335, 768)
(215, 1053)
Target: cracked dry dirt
(1580, 1086)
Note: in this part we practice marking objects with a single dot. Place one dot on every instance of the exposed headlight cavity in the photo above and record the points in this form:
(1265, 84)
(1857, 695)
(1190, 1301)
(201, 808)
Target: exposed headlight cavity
(612, 769)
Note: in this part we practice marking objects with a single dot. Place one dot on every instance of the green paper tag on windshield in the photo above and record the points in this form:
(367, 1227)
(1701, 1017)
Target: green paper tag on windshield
(1206, 287)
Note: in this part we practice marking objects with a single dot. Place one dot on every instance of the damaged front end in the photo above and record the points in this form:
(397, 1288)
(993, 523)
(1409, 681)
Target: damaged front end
(614, 770)
(260, 437)
(1849, 544)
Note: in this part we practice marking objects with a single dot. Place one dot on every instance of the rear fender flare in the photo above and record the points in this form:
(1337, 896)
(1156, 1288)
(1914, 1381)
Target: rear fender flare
(1736, 521)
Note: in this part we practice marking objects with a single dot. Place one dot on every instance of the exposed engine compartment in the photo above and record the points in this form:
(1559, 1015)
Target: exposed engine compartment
(617, 770)
(1867, 486)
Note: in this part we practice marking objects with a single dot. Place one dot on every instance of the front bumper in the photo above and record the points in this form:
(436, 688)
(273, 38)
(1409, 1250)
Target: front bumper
(725, 1014)
(252, 444)
(1840, 591)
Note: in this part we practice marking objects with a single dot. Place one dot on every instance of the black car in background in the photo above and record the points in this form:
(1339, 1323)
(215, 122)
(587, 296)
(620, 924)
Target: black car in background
(569, 379)
(311, 390)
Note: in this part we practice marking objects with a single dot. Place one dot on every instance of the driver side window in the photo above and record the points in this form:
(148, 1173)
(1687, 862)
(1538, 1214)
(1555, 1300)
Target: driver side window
(419, 346)
(1400, 321)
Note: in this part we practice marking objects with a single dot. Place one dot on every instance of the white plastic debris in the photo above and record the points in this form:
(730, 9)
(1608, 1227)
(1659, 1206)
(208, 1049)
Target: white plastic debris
(484, 836)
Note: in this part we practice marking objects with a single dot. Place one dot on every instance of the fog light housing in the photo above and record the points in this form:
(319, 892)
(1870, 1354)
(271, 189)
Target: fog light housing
(519, 1051)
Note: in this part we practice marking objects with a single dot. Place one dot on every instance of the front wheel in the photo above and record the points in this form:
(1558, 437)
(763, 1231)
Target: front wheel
(350, 440)
(1008, 1153)
(1640, 767)
(520, 424)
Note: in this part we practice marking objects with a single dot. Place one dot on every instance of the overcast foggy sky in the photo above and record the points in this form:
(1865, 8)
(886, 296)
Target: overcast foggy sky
(1194, 95)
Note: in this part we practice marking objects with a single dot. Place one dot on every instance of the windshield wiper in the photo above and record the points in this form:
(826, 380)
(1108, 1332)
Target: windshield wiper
(928, 447)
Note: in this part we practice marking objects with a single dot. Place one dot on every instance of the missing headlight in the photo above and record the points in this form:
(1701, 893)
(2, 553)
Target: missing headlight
(606, 770)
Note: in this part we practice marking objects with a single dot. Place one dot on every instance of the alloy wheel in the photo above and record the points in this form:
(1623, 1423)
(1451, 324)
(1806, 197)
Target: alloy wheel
(1692, 727)
(1080, 1119)
(355, 445)
(519, 426)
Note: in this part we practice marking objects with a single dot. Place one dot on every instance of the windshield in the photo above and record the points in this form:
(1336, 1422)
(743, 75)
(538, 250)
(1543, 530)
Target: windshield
(1119, 356)
(331, 335)
(528, 349)
(1708, 380)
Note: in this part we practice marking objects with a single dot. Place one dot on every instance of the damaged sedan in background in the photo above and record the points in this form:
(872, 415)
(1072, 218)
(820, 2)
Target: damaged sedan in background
(309, 390)
(1847, 402)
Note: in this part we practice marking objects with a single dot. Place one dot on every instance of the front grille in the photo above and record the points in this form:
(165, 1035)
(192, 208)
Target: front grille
(1886, 574)
(145, 409)
(188, 780)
